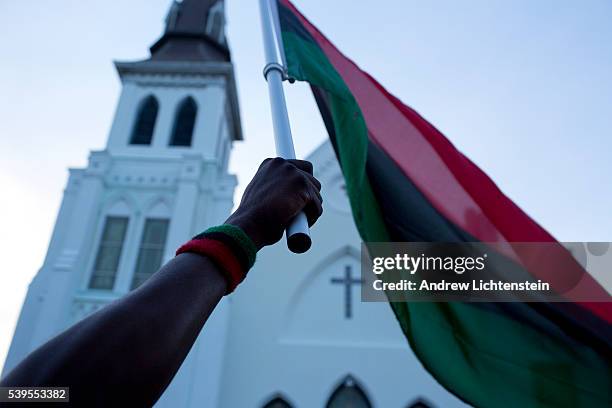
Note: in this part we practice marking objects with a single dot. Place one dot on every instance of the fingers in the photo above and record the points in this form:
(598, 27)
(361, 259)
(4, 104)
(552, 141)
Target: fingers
(315, 182)
(302, 165)
(278, 161)
(300, 174)
(310, 188)
(313, 208)
(306, 167)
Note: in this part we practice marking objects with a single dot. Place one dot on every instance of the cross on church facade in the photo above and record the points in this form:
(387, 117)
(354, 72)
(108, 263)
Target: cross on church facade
(348, 281)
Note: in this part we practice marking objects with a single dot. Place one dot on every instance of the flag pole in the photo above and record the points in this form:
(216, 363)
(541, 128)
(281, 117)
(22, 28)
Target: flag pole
(298, 234)
(277, 32)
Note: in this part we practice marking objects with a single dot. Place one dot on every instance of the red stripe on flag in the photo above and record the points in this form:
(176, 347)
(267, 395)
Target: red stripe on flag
(454, 185)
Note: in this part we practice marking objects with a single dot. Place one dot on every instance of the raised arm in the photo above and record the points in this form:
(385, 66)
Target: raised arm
(128, 352)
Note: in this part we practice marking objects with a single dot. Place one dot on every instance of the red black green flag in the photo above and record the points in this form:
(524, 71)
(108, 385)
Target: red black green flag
(407, 182)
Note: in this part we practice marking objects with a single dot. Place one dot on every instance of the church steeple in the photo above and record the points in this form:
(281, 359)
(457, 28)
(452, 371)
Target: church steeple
(162, 176)
(195, 31)
(184, 95)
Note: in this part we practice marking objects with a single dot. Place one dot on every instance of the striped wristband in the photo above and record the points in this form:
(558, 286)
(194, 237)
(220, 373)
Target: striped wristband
(229, 248)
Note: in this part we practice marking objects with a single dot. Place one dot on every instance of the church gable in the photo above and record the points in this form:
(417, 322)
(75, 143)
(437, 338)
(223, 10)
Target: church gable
(326, 308)
(327, 171)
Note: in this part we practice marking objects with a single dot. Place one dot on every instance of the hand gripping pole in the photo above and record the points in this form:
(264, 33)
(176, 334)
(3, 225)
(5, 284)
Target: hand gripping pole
(298, 234)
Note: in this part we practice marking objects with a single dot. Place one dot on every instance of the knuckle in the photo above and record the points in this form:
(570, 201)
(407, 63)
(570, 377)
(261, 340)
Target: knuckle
(266, 161)
(298, 182)
(277, 161)
(302, 181)
(306, 165)
(290, 170)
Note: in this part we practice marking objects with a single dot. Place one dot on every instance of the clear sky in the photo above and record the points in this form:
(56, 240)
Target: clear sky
(523, 87)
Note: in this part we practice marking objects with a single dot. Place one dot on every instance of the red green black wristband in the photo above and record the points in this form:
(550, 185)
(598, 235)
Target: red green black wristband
(229, 248)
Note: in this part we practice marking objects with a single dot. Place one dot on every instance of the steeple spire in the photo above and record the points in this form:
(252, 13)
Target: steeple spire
(195, 31)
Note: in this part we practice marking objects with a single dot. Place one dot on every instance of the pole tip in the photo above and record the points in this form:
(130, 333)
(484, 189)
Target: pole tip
(299, 242)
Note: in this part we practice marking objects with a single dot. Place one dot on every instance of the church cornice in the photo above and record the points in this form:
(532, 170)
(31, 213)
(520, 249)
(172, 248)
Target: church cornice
(174, 67)
(175, 80)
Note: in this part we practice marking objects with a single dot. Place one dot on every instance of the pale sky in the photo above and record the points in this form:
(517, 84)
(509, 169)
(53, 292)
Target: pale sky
(522, 87)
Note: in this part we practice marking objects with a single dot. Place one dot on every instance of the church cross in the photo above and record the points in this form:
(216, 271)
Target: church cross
(348, 281)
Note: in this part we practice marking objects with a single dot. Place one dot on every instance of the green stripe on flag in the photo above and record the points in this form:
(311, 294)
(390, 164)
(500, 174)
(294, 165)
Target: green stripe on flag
(306, 62)
(486, 354)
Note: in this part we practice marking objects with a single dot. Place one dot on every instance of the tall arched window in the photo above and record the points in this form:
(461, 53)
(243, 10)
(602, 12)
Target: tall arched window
(151, 251)
(109, 253)
(215, 25)
(419, 403)
(142, 133)
(277, 402)
(184, 122)
(348, 395)
(110, 245)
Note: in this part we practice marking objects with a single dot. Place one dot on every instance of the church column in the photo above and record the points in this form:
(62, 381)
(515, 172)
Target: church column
(127, 263)
(65, 274)
(181, 226)
(125, 115)
(211, 103)
(63, 216)
(169, 99)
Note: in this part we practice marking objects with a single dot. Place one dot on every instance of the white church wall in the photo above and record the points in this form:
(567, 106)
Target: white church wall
(65, 211)
(125, 116)
(223, 144)
(210, 114)
(30, 311)
(169, 100)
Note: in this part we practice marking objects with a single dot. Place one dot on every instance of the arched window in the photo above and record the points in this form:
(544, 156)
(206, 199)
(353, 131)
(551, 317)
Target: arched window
(216, 26)
(109, 253)
(151, 251)
(114, 227)
(184, 122)
(348, 395)
(277, 402)
(419, 403)
(142, 133)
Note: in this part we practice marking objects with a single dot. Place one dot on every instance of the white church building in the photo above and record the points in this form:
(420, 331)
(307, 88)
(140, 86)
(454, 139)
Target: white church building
(295, 334)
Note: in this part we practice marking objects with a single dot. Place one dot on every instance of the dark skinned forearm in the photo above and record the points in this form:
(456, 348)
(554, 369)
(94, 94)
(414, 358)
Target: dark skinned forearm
(129, 351)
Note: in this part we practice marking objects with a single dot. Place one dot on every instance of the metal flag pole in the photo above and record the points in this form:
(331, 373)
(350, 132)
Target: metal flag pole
(298, 234)
(277, 31)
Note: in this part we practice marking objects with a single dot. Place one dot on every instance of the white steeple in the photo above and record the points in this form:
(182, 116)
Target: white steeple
(161, 179)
